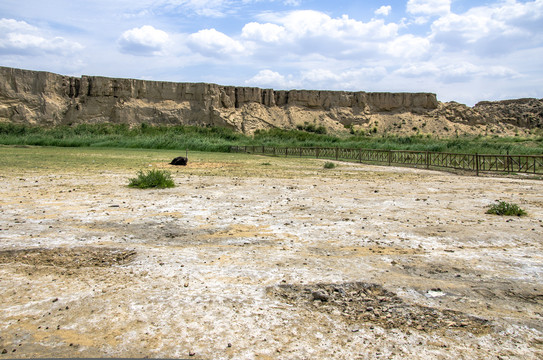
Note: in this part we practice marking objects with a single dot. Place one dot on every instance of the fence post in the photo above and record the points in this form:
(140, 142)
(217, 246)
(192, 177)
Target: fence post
(286, 152)
(337, 153)
(360, 155)
(389, 157)
(477, 164)
(427, 160)
(317, 153)
(300, 152)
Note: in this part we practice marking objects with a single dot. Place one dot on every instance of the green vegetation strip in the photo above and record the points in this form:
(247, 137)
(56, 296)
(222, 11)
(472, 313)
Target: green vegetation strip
(217, 139)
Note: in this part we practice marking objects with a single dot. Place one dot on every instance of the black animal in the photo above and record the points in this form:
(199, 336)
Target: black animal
(180, 160)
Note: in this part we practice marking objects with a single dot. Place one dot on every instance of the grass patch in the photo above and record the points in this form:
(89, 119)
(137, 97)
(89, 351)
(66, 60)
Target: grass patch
(218, 139)
(122, 136)
(329, 165)
(158, 179)
(20, 162)
(505, 209)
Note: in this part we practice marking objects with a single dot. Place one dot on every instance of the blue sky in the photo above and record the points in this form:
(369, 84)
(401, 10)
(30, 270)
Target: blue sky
(466, 51)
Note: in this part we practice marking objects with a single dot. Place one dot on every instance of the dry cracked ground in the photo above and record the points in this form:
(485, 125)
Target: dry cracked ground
(279, 260)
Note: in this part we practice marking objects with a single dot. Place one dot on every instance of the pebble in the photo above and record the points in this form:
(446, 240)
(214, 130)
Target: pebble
(320, 295)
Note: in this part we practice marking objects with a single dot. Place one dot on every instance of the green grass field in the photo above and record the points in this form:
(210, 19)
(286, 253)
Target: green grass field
(215, 139)
(19, 160)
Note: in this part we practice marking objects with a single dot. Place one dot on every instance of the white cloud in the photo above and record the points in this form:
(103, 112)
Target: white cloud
(14, 26)
(263, 32)
(205, 8)
(407, 46)
(21, 38)
(383, 10)
(213, 43)
(320, 78)
(307, 32)
(269, 78)
(311, 23)
(145, 40)
(351, 78)
(418, 69)
(209, 8)
(429, 7)
(305, 23)
(490, 30)
(455, 71)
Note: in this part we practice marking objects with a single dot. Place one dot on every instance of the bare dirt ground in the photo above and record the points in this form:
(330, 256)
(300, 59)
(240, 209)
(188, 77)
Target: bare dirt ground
(358, 262)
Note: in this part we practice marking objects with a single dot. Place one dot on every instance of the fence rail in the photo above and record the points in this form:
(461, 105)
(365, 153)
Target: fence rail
(532, 164)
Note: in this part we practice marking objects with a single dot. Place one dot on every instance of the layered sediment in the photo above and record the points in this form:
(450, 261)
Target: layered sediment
(42, 98)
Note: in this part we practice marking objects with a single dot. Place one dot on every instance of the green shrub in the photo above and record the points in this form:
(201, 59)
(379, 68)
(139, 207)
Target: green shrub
(329, 165)
(312, 128)
(320, 130)
(159, 179)
(507, 209)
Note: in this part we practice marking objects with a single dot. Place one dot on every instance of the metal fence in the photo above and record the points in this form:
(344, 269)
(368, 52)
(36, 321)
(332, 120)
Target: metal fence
(424, 159)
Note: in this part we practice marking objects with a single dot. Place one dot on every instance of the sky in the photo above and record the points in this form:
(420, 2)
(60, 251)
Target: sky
(462, 50)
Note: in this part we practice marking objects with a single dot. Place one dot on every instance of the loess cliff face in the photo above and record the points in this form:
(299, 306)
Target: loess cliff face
(42, 98)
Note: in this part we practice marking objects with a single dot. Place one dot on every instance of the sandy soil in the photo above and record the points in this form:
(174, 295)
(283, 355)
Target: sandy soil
(387, 263)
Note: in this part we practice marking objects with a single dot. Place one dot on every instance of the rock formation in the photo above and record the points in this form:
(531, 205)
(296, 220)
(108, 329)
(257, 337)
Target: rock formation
(42, 98)
(526, 113)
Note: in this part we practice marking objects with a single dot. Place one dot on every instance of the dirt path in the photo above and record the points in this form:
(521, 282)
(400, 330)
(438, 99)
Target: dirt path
(385, 263)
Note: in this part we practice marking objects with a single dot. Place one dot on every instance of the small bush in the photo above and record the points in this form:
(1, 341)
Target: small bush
(329, 165)
(159, 179)
(312, 128)
(507, 209)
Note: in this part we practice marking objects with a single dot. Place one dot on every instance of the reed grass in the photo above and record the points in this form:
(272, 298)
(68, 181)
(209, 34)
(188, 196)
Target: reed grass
(218, 139)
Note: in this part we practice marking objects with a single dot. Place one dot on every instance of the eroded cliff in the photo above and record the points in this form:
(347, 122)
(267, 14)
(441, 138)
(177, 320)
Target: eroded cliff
(43, 98)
